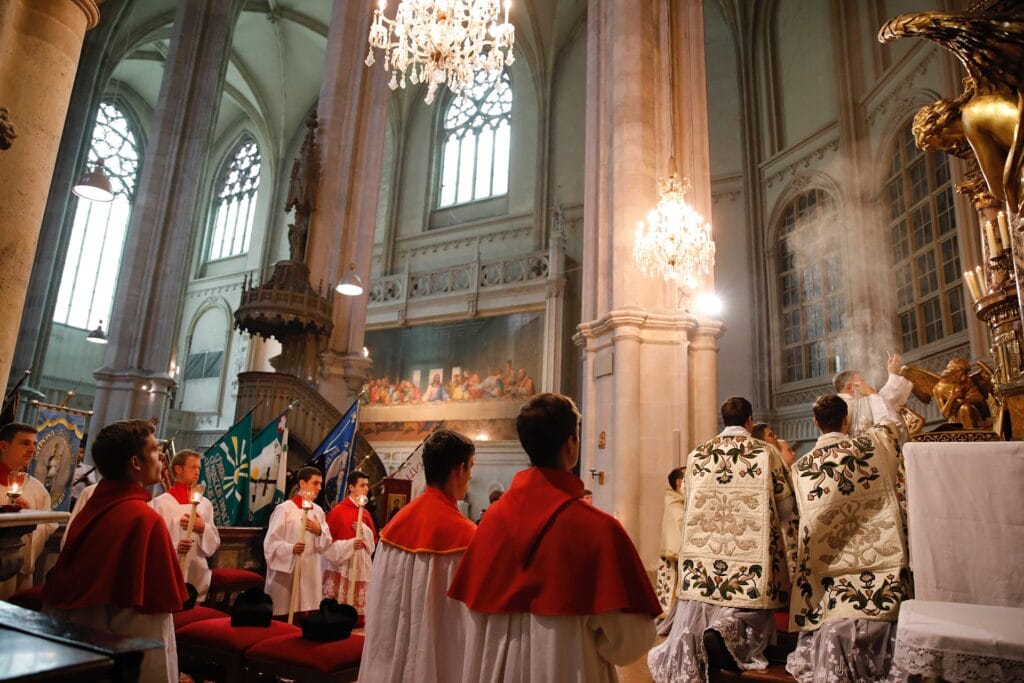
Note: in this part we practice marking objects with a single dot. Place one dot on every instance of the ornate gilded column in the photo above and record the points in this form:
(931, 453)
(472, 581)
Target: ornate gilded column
(646, 97)
(353, 117)
(134, 379)
(40, 44)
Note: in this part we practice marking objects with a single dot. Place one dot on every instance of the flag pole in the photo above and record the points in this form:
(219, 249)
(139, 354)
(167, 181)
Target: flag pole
(418, 446)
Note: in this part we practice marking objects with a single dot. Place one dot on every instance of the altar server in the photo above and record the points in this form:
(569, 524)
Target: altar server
(732, 558)
(289, 543)
(414, 631)
(347, 564)
(118, 570)
(852, 571)
(555, 588)
(178, 510)
(17, 448)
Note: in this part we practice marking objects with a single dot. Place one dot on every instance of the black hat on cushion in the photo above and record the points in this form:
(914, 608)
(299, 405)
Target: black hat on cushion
(334, 621)
(252, 607)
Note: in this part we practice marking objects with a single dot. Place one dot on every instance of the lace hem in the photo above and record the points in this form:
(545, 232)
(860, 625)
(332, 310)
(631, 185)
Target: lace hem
(952, 666)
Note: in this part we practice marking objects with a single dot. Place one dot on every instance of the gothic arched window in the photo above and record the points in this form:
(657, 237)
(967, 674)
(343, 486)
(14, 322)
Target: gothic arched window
(923, 244)
(99, 229)
(235, 202)
(810, 273)
(475, 143)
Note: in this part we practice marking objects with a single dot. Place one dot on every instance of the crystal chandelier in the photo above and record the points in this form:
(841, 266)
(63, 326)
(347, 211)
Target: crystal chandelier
(676, 241)
(442, 41)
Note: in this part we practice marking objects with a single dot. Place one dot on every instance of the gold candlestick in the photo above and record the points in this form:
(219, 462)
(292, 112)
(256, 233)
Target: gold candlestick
(360, 504)
(197, 496)
(307, 505)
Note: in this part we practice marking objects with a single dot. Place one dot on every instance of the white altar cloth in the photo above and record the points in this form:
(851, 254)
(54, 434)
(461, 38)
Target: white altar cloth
(966, 521)
(958, 642)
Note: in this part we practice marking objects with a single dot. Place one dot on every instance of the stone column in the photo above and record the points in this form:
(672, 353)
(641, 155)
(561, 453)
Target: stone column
(554, 314)
(40, 44)
(353, 118)
(94, 69)
(134, 380)
(639, 399)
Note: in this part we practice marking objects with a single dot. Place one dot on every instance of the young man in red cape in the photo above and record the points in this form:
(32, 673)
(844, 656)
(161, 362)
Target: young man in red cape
(347, 564)
(118, 570)
(555, 588)
(414, 631)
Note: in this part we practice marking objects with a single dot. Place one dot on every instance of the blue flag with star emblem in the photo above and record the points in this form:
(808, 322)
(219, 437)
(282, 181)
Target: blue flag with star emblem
(226, 473)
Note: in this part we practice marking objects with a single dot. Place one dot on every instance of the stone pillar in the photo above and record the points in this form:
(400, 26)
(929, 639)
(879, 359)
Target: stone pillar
(641, 401)
(134, 380)
(353, 117)
(554, 314)
(40, 44)
(93, 71)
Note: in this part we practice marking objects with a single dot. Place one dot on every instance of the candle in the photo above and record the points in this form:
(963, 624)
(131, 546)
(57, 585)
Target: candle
(993, 241)
(360, 503)
(972, 285)
(307, 505)
(982, 282)
(1004, 230)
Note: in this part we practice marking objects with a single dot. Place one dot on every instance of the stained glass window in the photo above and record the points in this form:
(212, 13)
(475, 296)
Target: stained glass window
(98, 232)
(476, 142)
(235, 203)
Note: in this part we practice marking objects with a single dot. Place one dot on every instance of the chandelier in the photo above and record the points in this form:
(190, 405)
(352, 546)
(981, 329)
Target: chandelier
(676, 241)
(442, 41)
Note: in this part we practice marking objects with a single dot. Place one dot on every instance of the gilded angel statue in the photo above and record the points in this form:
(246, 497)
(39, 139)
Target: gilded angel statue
(962, 395)
(988, 114)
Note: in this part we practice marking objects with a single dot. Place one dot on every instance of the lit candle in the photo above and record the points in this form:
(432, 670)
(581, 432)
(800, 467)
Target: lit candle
(993, 241)
(1004, 230)
(972, 285)
(982, 282)
(197, 496)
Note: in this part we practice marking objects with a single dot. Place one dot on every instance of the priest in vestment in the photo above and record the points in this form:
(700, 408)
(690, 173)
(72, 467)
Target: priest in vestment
(288, 543)
(866, 406)
(671, 534)
(347, 564)
(555, 589)
(732, 557)
(118, 570)
(415, 633)
(175, 506)
(852, 571)
(17, 447)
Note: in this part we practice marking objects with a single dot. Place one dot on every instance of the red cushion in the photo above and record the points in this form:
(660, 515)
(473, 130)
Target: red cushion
(297, 651)
(197, 613)
(781, 620)
(221, 635)
(30, 598)
(234, 579)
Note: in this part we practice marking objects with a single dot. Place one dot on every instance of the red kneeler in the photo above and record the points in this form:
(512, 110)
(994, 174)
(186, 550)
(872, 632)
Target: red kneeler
(197, 613)
(30, 598)
(298, 659)
(213, 649)
(226, 583)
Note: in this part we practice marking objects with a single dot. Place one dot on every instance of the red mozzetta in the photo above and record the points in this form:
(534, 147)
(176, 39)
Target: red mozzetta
(119, 553)
(341, 518)
(540, 549)
(430, 524)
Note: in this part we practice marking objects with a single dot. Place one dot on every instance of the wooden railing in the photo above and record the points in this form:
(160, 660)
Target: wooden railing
(308, 422)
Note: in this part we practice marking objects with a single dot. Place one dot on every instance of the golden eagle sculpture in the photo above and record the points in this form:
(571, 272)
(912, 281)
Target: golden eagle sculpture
(988, 113)
(961, 394)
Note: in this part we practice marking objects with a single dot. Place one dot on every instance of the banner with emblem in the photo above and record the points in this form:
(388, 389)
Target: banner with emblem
(268, 470)
(226, 473)
(61, 431)
(334, 455)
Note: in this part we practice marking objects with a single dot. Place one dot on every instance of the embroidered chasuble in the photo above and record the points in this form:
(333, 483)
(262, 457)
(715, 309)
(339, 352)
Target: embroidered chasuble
(733, 550)
(851, 556)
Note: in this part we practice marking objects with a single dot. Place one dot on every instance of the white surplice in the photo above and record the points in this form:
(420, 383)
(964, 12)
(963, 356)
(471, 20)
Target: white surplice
(867, 411)
(283, 533)
(414, 631)
(529, 648)
(157, 664)
(204, 545)
(38, 499)
(347, 570)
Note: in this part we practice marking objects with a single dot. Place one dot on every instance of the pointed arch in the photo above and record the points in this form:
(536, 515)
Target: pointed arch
(234, 200)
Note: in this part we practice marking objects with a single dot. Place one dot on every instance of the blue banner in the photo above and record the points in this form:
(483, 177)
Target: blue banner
(335, 455)
(60, 435)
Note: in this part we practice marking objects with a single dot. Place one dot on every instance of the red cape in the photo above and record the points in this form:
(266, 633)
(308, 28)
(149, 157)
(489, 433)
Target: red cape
(118, 552)
(540, 549)
(430, 524)
(341, 518)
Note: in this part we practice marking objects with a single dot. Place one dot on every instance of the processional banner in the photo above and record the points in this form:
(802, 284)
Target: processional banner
(268, 471)
(226, 473)
(335, 453)
(61, 431)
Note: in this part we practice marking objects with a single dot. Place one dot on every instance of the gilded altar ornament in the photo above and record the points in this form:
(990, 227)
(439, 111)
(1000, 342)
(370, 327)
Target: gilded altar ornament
(962, 395)
(988, 112)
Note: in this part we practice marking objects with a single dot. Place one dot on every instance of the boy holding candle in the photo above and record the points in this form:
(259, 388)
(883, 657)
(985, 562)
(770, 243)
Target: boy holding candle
(17, 447)
(347, 565)
(183, 505)
(118, 571)
(290, 543)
